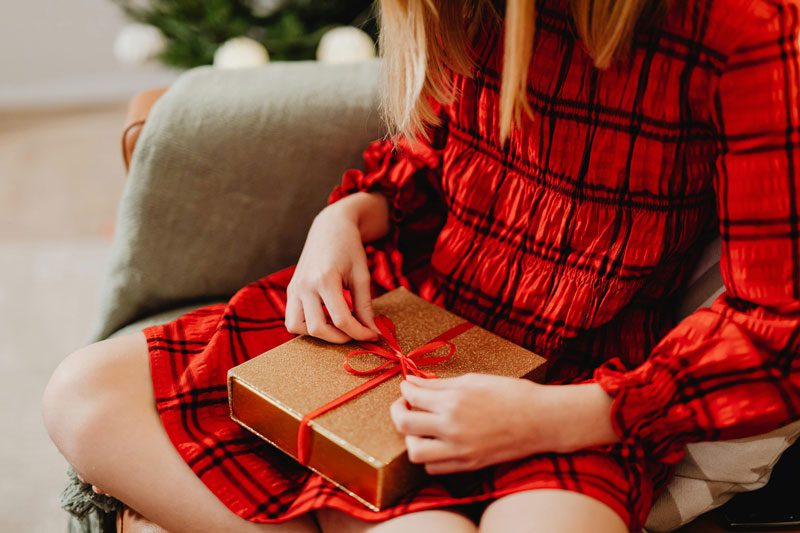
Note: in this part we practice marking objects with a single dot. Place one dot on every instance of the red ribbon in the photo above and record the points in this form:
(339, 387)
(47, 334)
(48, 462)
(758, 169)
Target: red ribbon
(397, 362)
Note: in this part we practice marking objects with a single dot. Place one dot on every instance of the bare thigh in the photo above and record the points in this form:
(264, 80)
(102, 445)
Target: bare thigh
(100, 412)
(333, 521)
(550, 511)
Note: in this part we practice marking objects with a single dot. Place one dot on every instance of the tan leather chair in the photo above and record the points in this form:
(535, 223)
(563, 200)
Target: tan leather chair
(138, 109)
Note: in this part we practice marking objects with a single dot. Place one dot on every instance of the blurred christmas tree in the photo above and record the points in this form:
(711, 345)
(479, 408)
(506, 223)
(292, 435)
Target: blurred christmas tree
(191, 31)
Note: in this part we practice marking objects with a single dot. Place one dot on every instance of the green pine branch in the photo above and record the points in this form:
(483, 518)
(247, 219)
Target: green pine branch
(194, 29)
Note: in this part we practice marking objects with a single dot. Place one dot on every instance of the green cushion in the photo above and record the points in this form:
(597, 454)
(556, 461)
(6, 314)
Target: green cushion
(229, 171)
(159, 318)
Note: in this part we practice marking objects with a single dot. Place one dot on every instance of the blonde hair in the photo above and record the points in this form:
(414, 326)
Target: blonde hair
(422, 41)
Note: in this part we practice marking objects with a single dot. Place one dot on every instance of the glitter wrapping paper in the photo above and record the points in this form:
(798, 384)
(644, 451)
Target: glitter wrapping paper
(356, 445)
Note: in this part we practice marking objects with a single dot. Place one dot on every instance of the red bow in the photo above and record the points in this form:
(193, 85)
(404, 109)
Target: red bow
(397, 362)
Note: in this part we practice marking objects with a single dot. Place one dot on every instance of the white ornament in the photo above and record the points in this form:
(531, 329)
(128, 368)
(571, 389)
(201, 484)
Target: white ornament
(138, 43)
(240, 52)
(345, 44)
(265, 8)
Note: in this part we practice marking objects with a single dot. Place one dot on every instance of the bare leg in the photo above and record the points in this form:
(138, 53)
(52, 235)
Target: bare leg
(332, 521)
(100, 411)
(549, 511)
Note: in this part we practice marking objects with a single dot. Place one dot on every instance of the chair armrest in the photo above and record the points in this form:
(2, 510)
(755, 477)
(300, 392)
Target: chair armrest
(138, 109)
(230, 168)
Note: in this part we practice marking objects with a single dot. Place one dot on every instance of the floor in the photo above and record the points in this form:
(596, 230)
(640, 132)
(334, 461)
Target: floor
(61, 177)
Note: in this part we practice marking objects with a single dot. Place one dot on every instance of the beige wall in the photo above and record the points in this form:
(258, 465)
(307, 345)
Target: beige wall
(60, 52)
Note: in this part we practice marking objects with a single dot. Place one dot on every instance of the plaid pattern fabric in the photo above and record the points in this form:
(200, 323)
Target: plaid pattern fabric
(571, 239)
(189, 361)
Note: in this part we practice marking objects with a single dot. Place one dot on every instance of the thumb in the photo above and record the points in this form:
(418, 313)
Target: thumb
(362, 299)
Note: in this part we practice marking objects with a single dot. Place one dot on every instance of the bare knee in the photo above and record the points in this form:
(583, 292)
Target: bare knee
(80, 398)
(72, 405)
(550, 511)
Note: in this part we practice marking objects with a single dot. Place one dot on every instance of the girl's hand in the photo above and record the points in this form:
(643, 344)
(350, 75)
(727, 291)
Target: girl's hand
(476, 420)
(333, 259)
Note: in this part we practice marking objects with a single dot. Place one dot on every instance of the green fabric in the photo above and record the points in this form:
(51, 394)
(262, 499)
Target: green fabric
(88, 509)
(229, 171)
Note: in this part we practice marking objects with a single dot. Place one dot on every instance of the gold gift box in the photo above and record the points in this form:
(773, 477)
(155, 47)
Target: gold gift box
(356, 446)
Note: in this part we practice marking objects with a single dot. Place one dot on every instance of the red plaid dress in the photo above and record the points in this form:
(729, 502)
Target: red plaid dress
(571, 239)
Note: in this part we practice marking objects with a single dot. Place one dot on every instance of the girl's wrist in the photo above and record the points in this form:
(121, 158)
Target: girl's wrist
(368, 211)
(580, 414)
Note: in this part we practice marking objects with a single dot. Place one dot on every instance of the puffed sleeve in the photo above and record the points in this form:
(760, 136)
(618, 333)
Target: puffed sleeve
(733, 370)
(409, 175)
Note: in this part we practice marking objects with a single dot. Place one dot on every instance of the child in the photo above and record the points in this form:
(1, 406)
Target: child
(557, 170)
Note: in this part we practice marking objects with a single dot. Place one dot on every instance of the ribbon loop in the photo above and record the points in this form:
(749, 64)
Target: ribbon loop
(396, 362)
(409, 362)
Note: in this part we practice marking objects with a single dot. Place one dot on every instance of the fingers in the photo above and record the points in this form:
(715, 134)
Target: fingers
(434, 383)
(305, 316)
(362, 298)
(420, 423)
(419, 397)
(427, 450)
(439, 455)
(341, 316)
(295, 320)
(317, 325)
(450, 466)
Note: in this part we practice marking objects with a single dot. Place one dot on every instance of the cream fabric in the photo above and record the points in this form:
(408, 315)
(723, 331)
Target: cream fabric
(713, 472)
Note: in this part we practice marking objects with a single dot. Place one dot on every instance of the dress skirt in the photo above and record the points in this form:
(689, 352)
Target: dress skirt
(189, 360)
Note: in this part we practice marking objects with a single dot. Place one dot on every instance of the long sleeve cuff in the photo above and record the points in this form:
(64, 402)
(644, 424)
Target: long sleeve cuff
(409, 176)
(720, 374)
(390, 169)
(643, 409)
